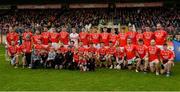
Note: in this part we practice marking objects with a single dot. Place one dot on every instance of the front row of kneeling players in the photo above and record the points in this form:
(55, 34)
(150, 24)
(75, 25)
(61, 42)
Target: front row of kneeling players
(140, 57)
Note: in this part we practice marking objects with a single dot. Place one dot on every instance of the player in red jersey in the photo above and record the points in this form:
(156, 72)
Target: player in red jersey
(54, 38)
(142, 54)
(139, 35)
(132, 34)
(64, 36)
(167, 58)
(37, 37)
(113, 37)
(84, 37)
(13, 51)
(119, 58)
(111, 58)
(27, 33)
(26, 49)
(105, 36)
(148, 36)
(36, 55)
(45, 36)
(101, 54)
(130, 54)
(160, 36)
(12, 36)
(153, 54)
(122, 38)
(95, 38)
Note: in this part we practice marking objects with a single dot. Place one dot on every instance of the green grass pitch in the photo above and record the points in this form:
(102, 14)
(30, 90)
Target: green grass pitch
(100, 80)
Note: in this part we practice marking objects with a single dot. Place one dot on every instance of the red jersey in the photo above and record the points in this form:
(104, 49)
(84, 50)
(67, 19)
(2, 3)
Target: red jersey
(76, 57)
(105, 38)
(148, 36)
(111, 50)
(36, 38)
(130, 51)
(153, 52)
(84, 38)
(54, 37)
(25, 34)
(166, 54)
(119, 53)
(102, 51)
(160, 37)
(139, 36)
(38, 47)
(81, 50)
(132, 36)
(95, 38)
(92, 49)
(13, 49)
(26, 47)
(64, 37)
(122, 39)
(63, 49)
(141, 50)
(12, 36)
(113, 38)
(45, 37)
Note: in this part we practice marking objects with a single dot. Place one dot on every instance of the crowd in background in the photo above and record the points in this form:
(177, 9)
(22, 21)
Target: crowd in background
(80, 18)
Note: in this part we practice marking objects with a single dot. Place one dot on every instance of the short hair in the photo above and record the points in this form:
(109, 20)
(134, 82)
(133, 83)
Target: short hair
(165, 44)
(140, 40)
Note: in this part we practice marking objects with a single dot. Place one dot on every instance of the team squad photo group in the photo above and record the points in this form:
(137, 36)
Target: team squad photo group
(141, 51)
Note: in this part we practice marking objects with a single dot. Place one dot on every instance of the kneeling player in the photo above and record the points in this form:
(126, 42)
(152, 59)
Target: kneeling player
(13, 54)
(153, 55)
(51, 57)
(130, 54)
(82, 63)
(167, 58)
(119, 58)
(111, 55)
(59, 59)
(102, 55)
(142, 60)
(36, 59)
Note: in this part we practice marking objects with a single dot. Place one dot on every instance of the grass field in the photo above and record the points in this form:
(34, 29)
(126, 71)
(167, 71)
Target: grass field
(100, 80)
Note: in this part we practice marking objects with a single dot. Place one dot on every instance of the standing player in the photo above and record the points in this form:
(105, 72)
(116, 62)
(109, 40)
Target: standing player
(160, 36)
(122, 38)
(130, 54)
(95, 38)
(74, 37)
(12, 36)
(167, 58)
(27, 33)
(113, 37)
(139, 35)
(142, 54)
(64, 37)
(153, 54)
(45, 36)
(54, 38)
(37, 37)
(132, 34)
(148, 36)
(84, 37)
(105, 37)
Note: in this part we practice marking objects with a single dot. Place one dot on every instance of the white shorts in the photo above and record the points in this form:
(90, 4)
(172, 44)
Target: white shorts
(130, 61)
(160, 47)
(153, 62)
(55, 45)
(97, 46)
(122, 48)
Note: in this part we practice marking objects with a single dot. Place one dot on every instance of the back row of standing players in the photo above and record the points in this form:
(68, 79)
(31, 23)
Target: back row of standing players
(140, 50)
